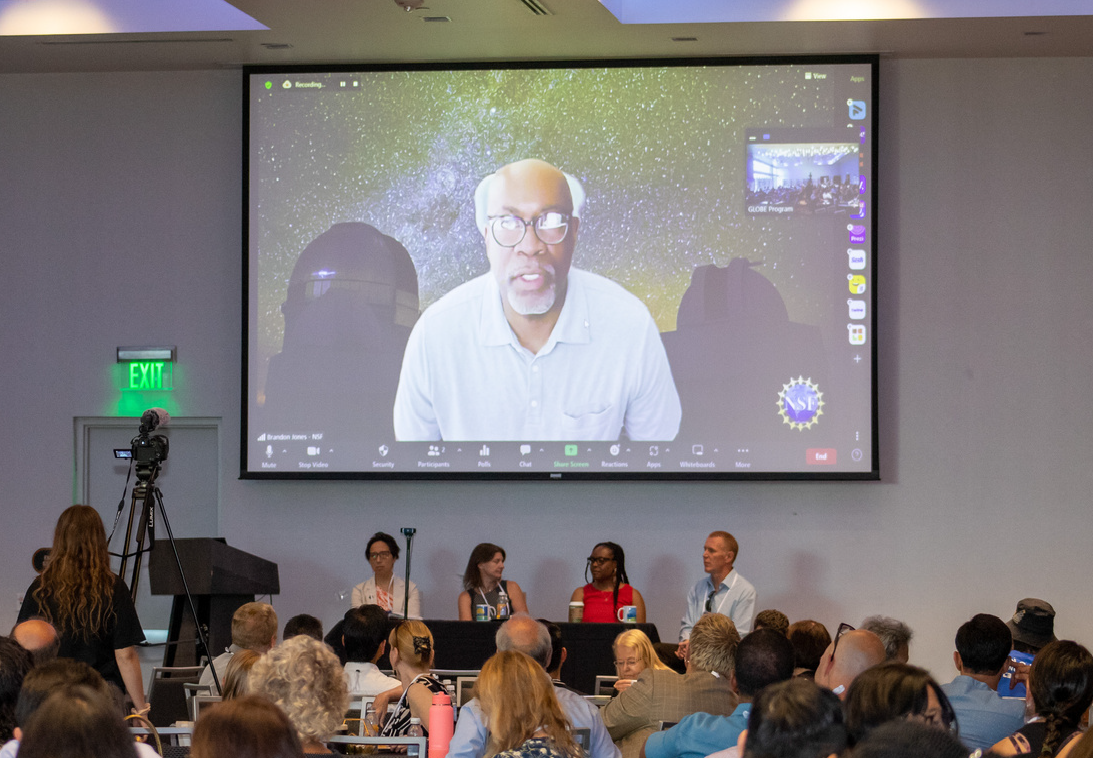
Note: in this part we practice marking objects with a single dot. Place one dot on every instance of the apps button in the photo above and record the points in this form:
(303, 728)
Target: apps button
(857, 333)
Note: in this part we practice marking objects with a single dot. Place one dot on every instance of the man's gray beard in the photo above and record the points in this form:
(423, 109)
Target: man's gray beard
(532, 304)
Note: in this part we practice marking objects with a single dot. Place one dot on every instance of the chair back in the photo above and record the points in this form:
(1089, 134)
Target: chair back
(464, 689)
(605, 685)
(583, 737)
(167, 693)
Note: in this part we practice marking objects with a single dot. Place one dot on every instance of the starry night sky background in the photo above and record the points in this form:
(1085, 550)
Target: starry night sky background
(660, 152)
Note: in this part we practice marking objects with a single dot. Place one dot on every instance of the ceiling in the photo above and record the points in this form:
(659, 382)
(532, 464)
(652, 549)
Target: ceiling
(337, 31)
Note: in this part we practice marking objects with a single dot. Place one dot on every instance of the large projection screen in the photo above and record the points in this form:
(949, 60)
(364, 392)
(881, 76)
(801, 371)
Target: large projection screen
(693, 298)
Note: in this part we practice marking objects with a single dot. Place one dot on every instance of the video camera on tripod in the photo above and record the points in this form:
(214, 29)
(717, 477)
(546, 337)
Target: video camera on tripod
(149, 449)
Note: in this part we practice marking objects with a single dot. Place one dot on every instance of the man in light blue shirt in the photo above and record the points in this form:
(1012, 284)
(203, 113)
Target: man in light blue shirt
(722, 590)
(535, 349)
(527, 635)
(762, 657)
(982, 653)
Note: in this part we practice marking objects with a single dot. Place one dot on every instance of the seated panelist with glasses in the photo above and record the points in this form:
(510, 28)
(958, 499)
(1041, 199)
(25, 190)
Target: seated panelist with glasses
(609, 597)
(535, 349)
(385, 588)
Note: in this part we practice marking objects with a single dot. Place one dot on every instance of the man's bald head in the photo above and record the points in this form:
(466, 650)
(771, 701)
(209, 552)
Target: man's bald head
(532, 169)
(846, 657)
(525, 634)
(38, 638)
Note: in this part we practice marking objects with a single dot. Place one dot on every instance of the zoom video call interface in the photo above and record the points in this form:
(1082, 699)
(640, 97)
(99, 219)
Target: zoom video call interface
(634, 271)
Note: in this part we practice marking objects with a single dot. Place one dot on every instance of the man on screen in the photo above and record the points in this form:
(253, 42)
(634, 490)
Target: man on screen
(535, 349)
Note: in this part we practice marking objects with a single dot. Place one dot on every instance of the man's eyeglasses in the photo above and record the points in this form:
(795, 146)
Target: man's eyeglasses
(843, 629)
(550, 227)
(598, 561)
(380, 554)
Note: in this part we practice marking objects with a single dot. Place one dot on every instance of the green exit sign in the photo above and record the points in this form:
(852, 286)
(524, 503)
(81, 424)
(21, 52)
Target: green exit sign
(148, 375)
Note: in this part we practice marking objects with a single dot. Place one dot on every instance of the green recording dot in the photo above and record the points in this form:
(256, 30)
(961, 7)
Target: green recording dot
(269, 85)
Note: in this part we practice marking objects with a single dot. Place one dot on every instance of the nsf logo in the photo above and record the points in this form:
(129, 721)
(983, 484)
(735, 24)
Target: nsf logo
(800, 403)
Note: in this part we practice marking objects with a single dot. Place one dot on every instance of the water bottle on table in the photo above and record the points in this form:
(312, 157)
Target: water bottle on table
(415, 730)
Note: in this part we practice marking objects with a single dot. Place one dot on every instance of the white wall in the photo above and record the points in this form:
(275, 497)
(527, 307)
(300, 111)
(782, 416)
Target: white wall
(120, 224)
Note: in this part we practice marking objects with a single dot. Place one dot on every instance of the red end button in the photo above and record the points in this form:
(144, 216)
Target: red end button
(820, 456)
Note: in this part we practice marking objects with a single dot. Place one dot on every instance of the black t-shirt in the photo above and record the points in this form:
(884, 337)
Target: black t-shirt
(122, 630)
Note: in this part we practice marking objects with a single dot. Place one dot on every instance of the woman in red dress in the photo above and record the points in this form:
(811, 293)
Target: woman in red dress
(609, 589)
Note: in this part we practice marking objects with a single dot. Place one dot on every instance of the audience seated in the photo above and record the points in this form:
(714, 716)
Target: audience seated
(520, 705)
(1060, 684)
(1083, 747)
(1032, 627)
(894, 691)
(411, 652)
(77, 722)
(39, 638)
(61, 674)
(909, 739)
(810, 639)
(667, 696)
(15, 662)
(772, 619)
(763, 657)
(982, 653)
(634, 653)
(304, 678)
(247, 727)
(364, 637)
(895, 635)
(237, 675)
(558, 654)
(254, 627)
(852, 652)
(738, 698)
(522, 633)
(303, 623)
(793, 719)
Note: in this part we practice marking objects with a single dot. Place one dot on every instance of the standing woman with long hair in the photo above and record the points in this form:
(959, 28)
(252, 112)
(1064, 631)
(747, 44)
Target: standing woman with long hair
(88, 604)
(610, 587)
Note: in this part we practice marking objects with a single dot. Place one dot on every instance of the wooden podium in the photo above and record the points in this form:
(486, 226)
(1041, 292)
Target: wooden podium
(221, 578)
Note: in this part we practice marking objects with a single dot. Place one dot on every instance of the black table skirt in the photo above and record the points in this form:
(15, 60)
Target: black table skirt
(467, 645)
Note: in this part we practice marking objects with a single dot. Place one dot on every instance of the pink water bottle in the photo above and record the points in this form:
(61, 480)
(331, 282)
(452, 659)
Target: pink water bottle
(441, 725)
